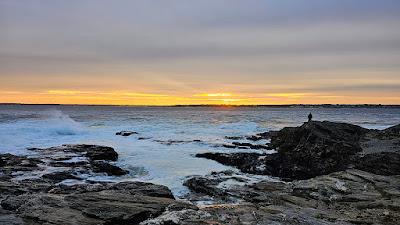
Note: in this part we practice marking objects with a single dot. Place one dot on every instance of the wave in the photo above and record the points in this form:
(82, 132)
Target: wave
(61, 124)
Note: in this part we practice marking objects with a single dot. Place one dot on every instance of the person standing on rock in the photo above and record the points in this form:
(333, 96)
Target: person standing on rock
(309, 117)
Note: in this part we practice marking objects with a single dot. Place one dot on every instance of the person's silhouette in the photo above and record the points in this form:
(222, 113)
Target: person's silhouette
(309, 117)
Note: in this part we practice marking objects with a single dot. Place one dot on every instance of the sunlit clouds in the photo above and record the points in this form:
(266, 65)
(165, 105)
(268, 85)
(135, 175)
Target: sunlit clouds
(200, 52)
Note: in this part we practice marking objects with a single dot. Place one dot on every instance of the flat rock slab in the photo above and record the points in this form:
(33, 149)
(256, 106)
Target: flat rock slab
(346, 197)
(101, 203)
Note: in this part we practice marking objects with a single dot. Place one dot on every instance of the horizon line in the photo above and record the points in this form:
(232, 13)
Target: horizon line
(218, 105)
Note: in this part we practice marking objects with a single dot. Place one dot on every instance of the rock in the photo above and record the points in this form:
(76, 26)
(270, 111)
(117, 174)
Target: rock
(82, 159)
(262, 136)
(11, 163)
(313, 149)
(134, 188)
(316, 148)
(345, 197)
(383, 163)
(60, 176)
(126, 133)
(93, 152)
(105, 167)
(251, 146)
(182, 217)
(203, 185)
(233, 138)
(99, 203)
(246, 162)
(41, 199)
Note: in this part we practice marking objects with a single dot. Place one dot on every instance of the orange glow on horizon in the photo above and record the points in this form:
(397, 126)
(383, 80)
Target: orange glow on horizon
(136, 98)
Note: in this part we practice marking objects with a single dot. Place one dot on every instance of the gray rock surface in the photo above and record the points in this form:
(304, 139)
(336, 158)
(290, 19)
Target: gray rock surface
(39, 198)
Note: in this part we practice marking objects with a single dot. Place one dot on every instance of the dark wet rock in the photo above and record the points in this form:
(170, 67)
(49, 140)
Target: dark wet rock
(134, 188)
(245, 161)
(42, 199)
(262, 136)
(251, 146)
(11, 163)
(60, 176)
(227, 146)
(234, 138)
(82, 159)
(316, 148)
(93, 152)
(313, 149)
(110, 206)
(105, 167)
(143, 138)
(126, 133)
(217, 185)
(383, 163)
(203, 185)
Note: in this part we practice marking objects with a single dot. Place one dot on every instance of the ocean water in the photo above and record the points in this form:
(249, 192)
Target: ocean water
(163, 151)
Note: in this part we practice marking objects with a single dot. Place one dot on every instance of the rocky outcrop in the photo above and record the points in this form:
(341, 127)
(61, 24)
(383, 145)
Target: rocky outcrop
(81, 159)
(382, 163)
(346, 197)
(318, 148)
(101, 203)
(245, 161)
(39, 198)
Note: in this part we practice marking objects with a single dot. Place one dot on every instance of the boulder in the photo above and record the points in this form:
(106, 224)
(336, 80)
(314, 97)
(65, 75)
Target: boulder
(60, 176)
(382, 163)
(109, 169)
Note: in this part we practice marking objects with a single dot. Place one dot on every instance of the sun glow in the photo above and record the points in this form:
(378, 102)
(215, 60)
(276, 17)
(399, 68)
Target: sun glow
(127, 97)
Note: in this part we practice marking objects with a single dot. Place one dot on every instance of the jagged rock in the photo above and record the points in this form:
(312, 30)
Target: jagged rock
(233, 138)
(138, 188)
(315, 148)
(182, 217)
(105, 167)
(383, 163)
(60, 176)
(318, 148)
(262, 136)
(93, 152)
(82, 159)
(245, 161)
(99, 203)
(11, 163)
(345, 197)
(126, 133)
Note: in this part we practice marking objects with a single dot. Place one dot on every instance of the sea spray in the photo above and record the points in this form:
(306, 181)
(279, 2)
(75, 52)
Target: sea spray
(59, 123)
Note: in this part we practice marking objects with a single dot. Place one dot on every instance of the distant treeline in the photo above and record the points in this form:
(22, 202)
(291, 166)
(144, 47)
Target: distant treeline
(222, 105)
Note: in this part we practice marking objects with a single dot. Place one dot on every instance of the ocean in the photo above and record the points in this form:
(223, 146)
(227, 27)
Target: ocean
(168, 137)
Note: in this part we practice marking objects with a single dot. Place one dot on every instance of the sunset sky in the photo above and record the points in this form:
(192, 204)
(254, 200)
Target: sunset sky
(167, 52)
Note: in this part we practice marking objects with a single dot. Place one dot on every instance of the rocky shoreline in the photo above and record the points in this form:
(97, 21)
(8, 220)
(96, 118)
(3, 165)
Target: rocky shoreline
(330, 173)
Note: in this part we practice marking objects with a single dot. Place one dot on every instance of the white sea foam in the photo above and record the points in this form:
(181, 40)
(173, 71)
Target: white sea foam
(59, 123)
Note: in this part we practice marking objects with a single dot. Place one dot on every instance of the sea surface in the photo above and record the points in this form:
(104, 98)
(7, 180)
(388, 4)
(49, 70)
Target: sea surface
(168, 137)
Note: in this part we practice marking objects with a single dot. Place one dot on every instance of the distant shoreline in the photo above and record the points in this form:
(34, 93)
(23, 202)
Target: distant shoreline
(222, 105)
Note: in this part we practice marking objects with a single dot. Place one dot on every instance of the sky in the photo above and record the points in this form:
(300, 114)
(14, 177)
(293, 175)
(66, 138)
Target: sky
(168, 52)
